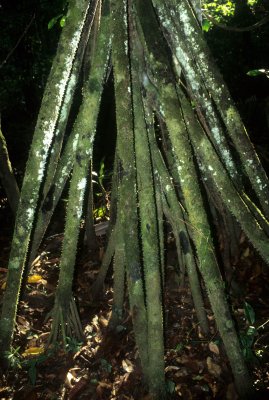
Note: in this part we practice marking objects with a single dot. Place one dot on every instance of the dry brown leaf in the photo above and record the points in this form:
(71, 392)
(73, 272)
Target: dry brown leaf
(103, 321)
(214, 348)
(68, 380)
(171, 368)
(77, 388)
(213, 368)
(104, 385)
(23, 324)
(127, 365)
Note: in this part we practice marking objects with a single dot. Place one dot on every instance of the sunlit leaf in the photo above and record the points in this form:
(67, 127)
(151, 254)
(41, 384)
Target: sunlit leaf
(206, 25)
(53, 21)
(127, 365)
(62, 22)
(99, 212)
(31, 351)
(34, 278)
(213, 347)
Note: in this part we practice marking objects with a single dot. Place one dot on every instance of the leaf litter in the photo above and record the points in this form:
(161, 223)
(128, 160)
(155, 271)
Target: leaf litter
(107, 365)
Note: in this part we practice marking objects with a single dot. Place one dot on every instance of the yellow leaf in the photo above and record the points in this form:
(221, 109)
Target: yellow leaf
(34, 278)
(4, 286)
(33, 351)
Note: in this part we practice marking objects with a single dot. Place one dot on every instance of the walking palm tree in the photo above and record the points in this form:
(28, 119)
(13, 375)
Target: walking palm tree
(182, 155)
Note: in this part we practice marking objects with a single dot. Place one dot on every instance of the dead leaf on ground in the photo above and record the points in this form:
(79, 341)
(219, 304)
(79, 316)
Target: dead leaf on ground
(213, 368)
(78, 387)
(214, 348)
(34, 279)
(127, 365)
(33, 351)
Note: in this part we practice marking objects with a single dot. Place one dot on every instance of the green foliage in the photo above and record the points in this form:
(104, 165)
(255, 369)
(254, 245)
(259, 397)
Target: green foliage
(32, 364)
(55, 20)
(100, 177)
(179, 347)
(105, 365)
(13, 357)
(206, 25)
(249, 313)
(219, 9)
(252, 3)
(73, 345)
(100, 212)
(256, 72)
(170, 386)
(62, 22)
(16, 360)
(247, 338)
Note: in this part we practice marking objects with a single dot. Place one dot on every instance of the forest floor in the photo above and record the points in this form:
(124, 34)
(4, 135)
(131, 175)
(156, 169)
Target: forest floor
(106, 365)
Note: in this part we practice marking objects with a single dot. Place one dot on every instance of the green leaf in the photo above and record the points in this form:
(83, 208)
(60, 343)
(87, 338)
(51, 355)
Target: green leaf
(249, 313)
(170, 386)
(179, 346)
(256, 72)
(62, 22)
(206, 25)
(54, 21)
(101, 174)
(106, 366)
(99, 212)
(32, 373)
(251, 331)
(72, 344)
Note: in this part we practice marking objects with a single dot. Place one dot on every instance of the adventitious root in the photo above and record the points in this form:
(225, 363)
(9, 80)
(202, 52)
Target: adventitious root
(65, 323)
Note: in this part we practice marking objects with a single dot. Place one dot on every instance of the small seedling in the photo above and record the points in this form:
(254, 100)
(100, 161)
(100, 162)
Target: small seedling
(72, 345)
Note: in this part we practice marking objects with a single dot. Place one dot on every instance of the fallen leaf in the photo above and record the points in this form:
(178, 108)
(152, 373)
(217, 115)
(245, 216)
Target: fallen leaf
(103, 321)
(213, 368)
(214, 348)
(127, 365)
(34, 278)
(78, 388)
(31, 351)
(22, 324)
